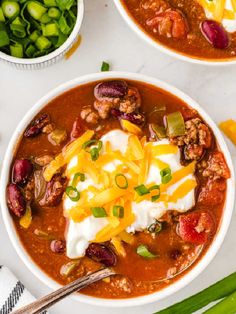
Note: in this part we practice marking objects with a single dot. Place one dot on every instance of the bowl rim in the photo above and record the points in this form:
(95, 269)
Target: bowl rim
(55, 53)
(190, 275)
(165, 49)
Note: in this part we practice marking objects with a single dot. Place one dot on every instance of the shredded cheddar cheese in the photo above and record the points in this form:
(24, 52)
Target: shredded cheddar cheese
(118, 246)
(218, 10)
(135, 149)
(25, 221)
(70, 151)
(178, 175)
(183, 190)
(229, 128)
(132, 165)
(130, 127)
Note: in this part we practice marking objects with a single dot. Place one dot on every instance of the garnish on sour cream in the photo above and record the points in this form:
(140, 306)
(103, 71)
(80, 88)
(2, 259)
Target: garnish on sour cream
(157, 182)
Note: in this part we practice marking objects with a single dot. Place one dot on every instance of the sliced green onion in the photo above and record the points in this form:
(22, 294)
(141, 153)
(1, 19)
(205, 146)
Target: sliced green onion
(118, 211)
(227, 305)
(45, 19)
(2, 17)
(50, 3)
(10, 9)
(143, 251)
(94, 151)
(105, 66)
(63, 24)
(65, 4)
(175, 124)
(34, 36)
(18, 28)
(72, 193)
(54, 13)
(40, 26)
(121, 177)
(152, 188)
(141, 190)
(36, 9)
(92, 142)
(217, 291)
(42, 43)
(30, 51)
(50, 30)
(16, 50)
(25, 18)
(76, 176)
(4, 38)
(98, 212)
(165, 175)
(155, 227)
(61, 39)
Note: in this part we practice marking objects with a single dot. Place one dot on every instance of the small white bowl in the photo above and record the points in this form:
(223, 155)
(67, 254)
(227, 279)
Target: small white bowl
(52, 57)
(163, 48)
(190, 275)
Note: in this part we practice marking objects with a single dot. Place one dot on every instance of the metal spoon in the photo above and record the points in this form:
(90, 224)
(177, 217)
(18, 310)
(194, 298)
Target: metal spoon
(42, 304)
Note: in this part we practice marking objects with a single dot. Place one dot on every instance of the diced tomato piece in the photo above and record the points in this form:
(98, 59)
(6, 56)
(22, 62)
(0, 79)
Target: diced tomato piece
(188, 114)
(195, 227)
(77, 129)
(212, 193)
(170, 23)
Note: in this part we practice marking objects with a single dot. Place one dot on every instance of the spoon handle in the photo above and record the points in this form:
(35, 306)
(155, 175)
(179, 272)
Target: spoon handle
(42, 304)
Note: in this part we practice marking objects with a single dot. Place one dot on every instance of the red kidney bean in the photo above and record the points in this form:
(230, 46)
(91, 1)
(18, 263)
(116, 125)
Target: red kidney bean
(37, 126)
(22, 169)
(102, 254)
(57, 246)
(215, 34)
(111, 89)
(77, 129)
(134, 117)
(15, 200)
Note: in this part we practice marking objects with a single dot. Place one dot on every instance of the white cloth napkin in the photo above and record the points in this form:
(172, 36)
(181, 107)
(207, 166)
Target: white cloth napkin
(13, 294)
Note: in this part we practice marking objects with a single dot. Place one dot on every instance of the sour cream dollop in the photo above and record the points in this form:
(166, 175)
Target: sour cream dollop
(79, 235)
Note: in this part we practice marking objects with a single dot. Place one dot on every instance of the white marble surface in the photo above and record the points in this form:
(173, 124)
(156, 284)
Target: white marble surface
(107, 37)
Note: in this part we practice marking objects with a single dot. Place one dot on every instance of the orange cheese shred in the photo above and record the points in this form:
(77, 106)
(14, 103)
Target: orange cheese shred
(183, 190)
(229, 128)
(178, 175)
(218, 13)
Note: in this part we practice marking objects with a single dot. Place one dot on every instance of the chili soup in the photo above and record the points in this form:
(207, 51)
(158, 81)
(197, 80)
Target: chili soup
(201, 29)
(117, 173)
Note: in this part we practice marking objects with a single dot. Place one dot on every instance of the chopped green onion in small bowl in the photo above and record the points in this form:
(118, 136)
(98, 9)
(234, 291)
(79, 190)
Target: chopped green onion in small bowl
(38, 32)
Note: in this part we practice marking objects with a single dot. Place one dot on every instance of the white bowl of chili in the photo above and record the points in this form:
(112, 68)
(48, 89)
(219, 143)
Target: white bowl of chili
(41, 39)
(217, 58)
(177, 284)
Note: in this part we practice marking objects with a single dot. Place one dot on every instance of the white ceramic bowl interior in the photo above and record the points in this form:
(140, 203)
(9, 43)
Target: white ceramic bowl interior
(171, 52)
(52, 57)
(189, 276)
